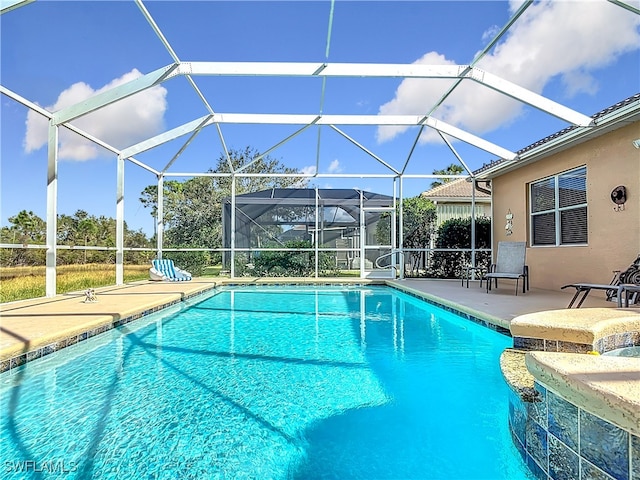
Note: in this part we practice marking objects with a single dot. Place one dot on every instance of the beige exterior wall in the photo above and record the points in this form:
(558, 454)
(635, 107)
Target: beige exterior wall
(614, 236)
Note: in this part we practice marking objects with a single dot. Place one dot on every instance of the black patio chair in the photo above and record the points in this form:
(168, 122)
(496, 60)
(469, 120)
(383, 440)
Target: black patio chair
(627, 281)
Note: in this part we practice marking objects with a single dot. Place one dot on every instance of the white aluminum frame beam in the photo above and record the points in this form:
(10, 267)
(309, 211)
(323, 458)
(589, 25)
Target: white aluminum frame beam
(331, 120)
(317, 69)
(45, 113)
(530, 98)
(481, 54)
(194, 134)
(8, 5)
(626, 6)
(277, 145)
(120, 220)
(52, 210)
(320, 70)
(110, 96)
(365, 149)
(469, 138)
(171, 51)
(167, 136)
(453, 150)
(385, 70)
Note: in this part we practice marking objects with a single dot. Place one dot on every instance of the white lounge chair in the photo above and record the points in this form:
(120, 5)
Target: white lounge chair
(510, 264)
(165, 270)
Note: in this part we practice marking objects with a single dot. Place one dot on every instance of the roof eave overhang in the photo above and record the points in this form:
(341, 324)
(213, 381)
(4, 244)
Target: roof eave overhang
(617, 119)
(478, 199)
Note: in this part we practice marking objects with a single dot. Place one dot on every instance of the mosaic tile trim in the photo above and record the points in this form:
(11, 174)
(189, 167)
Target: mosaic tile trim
(617, 340)
(560, 441)
(603, 345)
(465, 315)
(19, 360)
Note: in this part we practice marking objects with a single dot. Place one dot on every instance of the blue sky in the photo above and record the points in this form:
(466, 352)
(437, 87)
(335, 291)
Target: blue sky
(583, 54)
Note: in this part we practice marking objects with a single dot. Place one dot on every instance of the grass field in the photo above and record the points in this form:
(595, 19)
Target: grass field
(21, 283)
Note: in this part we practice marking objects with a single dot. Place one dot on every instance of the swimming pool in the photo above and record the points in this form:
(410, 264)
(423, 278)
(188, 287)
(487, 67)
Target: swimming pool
(269, 383)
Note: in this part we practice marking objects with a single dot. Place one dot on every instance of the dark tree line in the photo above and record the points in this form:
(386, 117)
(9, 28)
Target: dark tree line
(192, 219)
(77, 230)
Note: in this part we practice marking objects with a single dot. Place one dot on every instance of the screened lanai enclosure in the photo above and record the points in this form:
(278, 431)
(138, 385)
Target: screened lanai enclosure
(153, 90)
(344, 229)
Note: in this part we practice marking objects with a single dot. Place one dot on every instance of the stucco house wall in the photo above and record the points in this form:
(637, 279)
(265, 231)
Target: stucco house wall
(613, 236)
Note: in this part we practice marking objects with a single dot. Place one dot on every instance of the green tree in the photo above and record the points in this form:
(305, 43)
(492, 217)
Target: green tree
(66, 229)
(419, 217)
(193, 216)
(453, 169)
(85, 229)
(81, 228)
(88, 229)
(417, 212)
(265, 165)
(27, 227)
(171, 196)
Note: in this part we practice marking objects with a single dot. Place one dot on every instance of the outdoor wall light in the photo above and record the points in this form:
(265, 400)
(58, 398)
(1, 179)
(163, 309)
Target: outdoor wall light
(619, 197)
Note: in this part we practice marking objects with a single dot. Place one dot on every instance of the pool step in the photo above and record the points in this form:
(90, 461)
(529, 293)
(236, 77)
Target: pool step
(380, 273)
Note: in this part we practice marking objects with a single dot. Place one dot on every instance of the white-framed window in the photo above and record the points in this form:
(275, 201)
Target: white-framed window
(558, 209)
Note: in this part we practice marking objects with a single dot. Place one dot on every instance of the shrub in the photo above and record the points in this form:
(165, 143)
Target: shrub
(456, 233)
(292, 264)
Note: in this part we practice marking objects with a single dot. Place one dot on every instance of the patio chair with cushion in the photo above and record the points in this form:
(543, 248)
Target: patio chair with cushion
(623, 282)
(165, 270)
(510, 264)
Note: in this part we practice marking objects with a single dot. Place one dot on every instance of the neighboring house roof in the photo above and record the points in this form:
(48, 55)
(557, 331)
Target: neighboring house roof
(455, 191)
(618, 115)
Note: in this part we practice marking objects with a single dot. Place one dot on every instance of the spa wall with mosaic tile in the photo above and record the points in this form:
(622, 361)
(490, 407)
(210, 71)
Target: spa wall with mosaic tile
(601, 345)
(560, 441)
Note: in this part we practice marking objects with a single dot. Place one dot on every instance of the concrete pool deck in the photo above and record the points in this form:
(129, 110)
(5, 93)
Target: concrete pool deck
(33, 328)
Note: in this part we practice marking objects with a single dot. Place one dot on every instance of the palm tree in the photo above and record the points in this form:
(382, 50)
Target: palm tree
(453, 169)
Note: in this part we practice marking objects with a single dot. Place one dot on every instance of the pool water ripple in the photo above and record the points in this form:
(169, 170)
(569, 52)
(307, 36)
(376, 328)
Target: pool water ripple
(252, 383)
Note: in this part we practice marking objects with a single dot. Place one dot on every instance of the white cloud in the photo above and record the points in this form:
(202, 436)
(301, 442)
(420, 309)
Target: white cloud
(552, 39)
(334, 166)
(490, 33)
(308, 170)
(304, 182)
(120, 124)
(414, 96)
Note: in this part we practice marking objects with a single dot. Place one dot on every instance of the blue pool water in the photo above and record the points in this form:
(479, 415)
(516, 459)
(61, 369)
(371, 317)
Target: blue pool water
(624, 352)
(268, 383)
